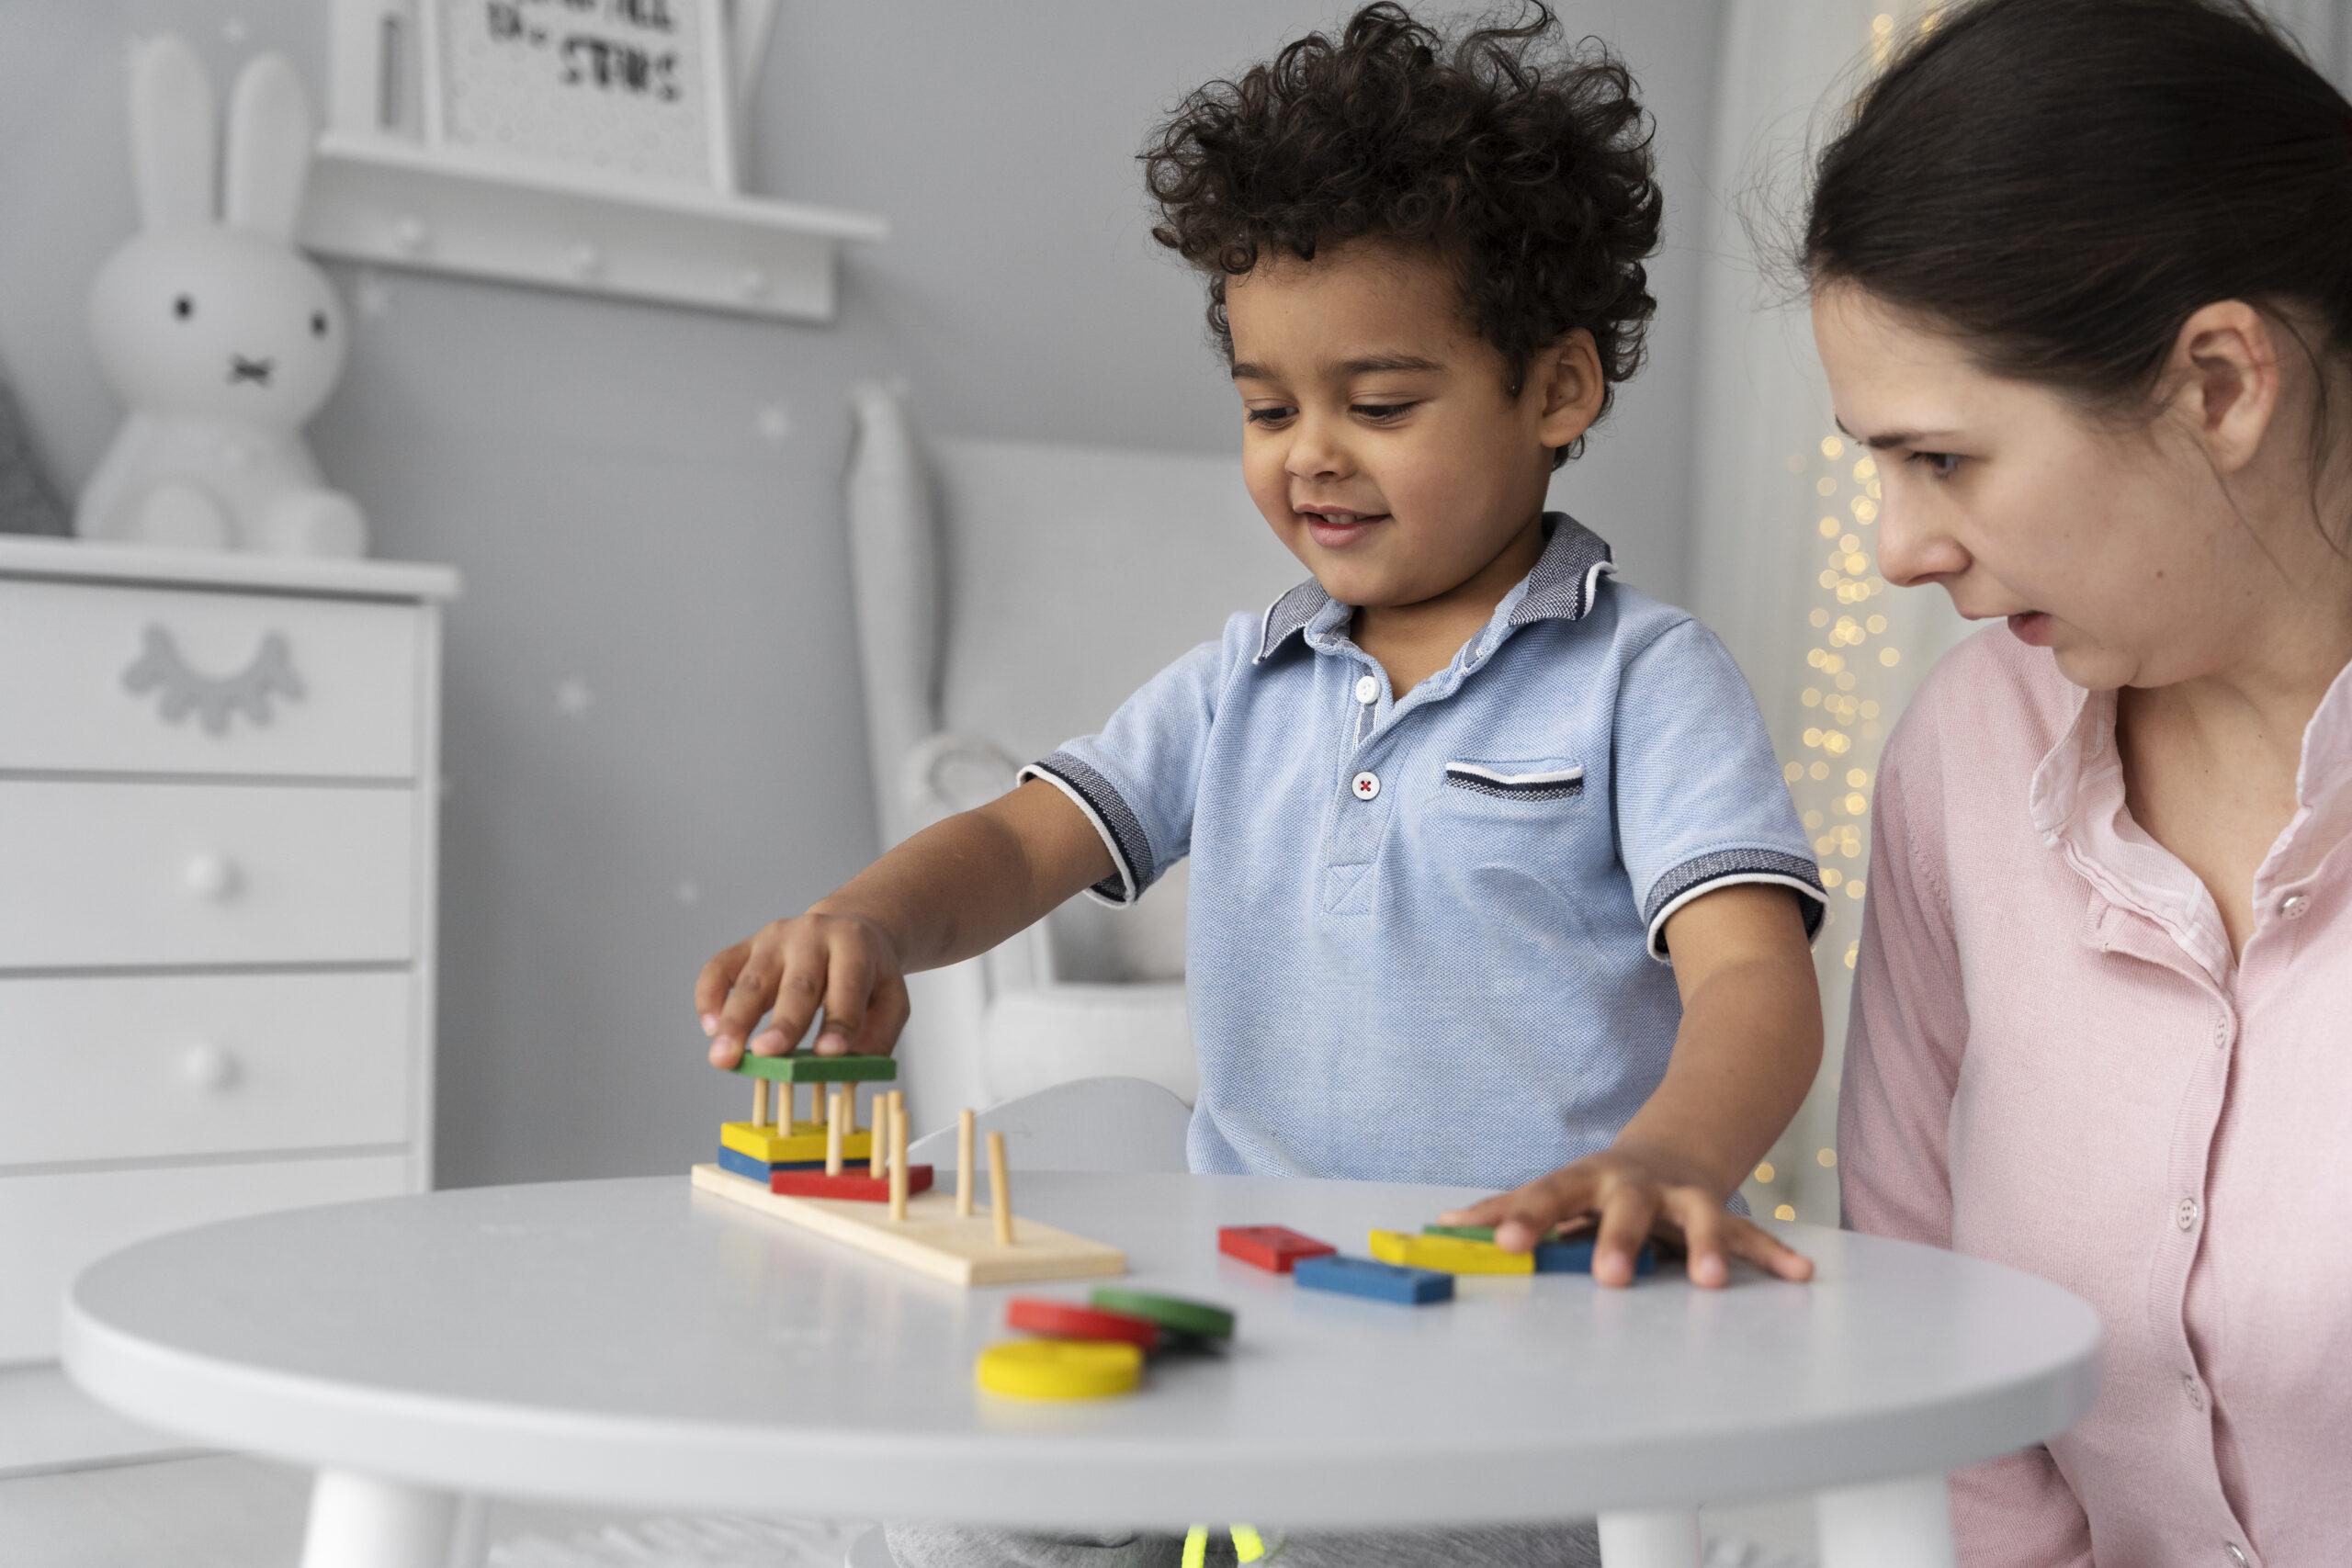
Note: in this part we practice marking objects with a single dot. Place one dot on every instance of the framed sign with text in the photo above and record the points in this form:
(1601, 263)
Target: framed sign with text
(637, 89)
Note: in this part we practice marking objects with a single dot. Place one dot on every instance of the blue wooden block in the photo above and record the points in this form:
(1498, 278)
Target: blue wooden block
(759, 1170)
(1373, 1279)
(1575, 1256)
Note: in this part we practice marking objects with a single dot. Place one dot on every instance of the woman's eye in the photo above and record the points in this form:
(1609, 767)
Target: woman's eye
(1942, 465)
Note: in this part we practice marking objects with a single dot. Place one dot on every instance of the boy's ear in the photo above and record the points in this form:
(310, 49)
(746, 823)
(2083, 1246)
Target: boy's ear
(1566, 379)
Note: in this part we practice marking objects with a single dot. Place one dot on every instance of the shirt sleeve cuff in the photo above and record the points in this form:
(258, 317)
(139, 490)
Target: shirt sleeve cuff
(1706, 874)
(1121, 832)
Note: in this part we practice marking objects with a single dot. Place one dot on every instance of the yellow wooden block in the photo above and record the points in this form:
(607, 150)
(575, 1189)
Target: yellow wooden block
(1059, 1369)
(805, 1142)
(933, 1238)
(1448, 1253)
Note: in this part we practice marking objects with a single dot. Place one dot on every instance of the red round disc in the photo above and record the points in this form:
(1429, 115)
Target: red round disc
(1069, 1320)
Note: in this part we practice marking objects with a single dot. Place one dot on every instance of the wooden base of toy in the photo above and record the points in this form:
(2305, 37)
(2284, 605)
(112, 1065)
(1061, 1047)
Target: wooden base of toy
(933, 1238)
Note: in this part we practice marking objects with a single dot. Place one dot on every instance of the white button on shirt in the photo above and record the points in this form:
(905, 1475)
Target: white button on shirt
(2187, 1213)
(2294, 906)
(1367, 689)
(1366, 785)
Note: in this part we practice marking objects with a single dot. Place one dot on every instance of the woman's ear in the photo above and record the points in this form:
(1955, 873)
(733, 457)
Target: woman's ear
(2224, 367)
(174, 143)
(269, 149)
(1566, 379)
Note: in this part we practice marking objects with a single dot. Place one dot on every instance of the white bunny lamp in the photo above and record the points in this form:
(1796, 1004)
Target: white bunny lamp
(219, 336)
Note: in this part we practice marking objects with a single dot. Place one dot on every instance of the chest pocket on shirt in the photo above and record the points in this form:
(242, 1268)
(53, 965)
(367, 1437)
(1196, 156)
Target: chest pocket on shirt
(1535, 786)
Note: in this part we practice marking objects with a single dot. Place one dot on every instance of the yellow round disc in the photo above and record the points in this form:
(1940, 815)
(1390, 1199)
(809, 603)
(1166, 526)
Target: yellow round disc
(1059, 1369)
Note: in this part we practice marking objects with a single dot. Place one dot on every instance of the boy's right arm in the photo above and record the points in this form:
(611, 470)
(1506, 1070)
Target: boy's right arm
(950, 892)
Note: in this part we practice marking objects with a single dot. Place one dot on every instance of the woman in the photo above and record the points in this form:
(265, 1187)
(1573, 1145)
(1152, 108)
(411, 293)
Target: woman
(2081, 275)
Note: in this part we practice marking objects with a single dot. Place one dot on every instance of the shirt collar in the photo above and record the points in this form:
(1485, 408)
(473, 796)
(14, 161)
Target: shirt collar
(1563, 585)
(2078, 806)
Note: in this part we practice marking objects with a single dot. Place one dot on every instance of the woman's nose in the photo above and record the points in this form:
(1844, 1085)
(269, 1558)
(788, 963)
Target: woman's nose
(1911, 552)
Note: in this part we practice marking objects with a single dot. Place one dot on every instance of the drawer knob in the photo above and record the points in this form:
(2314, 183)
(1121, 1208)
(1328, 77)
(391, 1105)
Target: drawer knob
(209, 877)
(207, 1066)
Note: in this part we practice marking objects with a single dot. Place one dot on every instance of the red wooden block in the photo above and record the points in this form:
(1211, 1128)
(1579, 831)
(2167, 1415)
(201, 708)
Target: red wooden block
(854, 1184)
(1071, 1320)
(1272, 1248)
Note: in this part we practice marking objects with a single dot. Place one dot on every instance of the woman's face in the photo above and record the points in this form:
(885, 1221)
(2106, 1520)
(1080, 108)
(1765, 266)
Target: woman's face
(2121, 553)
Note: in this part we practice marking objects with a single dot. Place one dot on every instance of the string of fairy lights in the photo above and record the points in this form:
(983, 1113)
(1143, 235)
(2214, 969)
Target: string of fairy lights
(1847, 694)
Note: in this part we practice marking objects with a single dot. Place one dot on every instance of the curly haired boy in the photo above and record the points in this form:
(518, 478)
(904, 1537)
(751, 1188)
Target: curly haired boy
(1495, 879)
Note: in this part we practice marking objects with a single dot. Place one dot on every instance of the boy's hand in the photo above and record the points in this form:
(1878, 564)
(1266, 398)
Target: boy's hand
(846, 964)
(1635, 1193)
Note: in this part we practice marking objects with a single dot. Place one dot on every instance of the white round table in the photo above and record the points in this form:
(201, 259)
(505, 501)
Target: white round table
(636, 1344)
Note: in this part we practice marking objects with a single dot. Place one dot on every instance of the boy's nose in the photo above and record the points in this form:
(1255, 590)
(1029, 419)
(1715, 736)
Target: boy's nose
(1314, 453)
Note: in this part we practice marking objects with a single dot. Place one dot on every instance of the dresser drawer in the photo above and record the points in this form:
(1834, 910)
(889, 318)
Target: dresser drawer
(53, 1226)
(138, 874)
(142, 1067)
(103, 678)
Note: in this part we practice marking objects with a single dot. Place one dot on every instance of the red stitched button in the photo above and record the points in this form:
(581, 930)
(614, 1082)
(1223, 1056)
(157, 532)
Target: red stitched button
(1069, 1320)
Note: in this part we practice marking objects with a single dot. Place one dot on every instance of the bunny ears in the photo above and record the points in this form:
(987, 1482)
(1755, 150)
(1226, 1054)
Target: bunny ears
(174, 144)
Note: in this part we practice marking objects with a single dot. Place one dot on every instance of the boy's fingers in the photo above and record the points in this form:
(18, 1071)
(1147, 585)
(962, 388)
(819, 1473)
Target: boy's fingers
(1527, 1216)
(748, 994)
(710, 985)
(849, 980)
(1626, 1214)
(885, 1015)
(1768, 1251)
(1702, 1223)
(799, 991)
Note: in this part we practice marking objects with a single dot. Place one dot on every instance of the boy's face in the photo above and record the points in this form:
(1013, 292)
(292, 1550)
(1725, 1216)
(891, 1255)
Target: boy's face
(1378, 437)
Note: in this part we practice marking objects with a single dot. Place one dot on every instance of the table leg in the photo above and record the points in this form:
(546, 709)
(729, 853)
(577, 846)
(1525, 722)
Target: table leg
(359, 1521)
(1888, 1524)
(1659, 1538)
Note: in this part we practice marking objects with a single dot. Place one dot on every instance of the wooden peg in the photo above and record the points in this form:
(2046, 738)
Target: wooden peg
(898, 1156)
(759, 1102)
(1000, 1189)
(833, 1132)
(881, 1143)
(964, 1164)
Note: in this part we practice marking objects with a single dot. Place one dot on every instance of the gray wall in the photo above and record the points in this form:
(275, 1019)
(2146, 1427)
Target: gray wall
(632, 528)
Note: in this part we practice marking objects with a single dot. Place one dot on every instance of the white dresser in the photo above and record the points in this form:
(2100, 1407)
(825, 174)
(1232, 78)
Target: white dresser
(218, 783)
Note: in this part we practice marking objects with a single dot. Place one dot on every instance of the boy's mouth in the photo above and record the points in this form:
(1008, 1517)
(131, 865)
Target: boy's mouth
(1336, 530)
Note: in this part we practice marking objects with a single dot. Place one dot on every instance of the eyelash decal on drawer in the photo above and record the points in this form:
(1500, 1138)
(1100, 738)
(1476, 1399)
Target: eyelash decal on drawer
(1552, 783)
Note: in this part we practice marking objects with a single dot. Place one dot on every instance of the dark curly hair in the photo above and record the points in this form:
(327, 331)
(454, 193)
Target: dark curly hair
(1530, 171)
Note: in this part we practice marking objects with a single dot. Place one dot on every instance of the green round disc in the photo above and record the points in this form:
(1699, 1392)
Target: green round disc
(1202, 1320)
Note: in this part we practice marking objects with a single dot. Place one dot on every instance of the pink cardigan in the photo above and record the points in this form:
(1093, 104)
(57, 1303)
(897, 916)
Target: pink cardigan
(2055, 1063)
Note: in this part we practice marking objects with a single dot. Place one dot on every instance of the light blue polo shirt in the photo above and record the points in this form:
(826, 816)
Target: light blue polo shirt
(1424, 941)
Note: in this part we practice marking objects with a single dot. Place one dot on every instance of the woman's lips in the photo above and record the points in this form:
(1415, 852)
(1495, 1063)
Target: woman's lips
(1338, 535)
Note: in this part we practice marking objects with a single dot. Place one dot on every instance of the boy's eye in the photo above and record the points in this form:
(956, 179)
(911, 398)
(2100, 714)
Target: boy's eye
(1268, 416)
(1381, 410)
(1941, 465)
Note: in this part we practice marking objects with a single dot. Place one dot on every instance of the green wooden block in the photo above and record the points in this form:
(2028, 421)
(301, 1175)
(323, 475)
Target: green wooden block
(1465, 1232)
(818, 1069)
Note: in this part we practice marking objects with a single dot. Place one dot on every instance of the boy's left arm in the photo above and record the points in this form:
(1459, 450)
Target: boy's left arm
(1744, 1057)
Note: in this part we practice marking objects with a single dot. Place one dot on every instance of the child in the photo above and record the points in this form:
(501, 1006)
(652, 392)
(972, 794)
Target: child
(1454, 800)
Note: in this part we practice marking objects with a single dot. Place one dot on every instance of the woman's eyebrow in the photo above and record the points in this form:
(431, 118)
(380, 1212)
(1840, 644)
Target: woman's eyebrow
(1881, 442)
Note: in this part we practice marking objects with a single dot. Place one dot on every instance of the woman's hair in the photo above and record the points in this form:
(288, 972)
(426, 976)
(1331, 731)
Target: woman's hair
(1527, 170)
(2061, 183)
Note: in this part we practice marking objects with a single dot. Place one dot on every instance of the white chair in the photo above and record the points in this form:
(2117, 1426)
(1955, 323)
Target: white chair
(1011, 595)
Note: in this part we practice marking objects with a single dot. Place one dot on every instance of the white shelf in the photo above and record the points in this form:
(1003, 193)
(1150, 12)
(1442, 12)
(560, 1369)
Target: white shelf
(396, 202)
